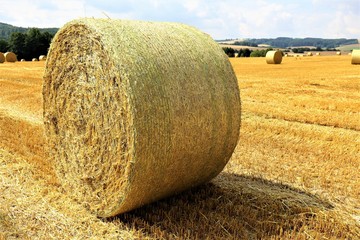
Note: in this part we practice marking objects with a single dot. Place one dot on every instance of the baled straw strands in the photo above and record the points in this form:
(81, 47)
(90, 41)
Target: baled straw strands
(138, 111)
(355, 56)
(10, 57)
(2, 57)
(273, 57)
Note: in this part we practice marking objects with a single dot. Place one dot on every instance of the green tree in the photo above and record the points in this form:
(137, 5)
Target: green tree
(229, 51)
(17, 44)
(244, 52)
(247, 52)
(260, 53)
(256, 53)
(4, 46)
(31, 44)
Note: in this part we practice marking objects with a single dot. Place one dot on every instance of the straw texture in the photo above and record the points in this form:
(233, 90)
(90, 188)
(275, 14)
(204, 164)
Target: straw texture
(273, 57)
(2, 57)
(10, 57)
(138, 111)
(355, 56)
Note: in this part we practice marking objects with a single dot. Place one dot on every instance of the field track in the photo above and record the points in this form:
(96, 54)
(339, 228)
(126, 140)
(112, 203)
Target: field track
(293, 175)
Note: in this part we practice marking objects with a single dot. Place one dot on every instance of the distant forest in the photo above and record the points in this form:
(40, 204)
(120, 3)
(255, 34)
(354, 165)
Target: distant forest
(286, 42)
(26, 43)
(6, 30)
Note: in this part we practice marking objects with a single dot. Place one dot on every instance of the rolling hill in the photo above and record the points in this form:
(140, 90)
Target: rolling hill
(286, 42)
(6, 30)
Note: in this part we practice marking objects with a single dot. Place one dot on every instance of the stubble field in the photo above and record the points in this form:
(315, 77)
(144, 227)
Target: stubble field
(293, 175)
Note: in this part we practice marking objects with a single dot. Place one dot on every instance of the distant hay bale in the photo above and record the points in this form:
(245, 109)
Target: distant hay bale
(309, 54)
(2, 57)
(22, 60)
(355, 56)
(338, 53)
(35, 60)
(274, 57)
(129, 124)
(317, 54)
(42, 58)
(10, 57)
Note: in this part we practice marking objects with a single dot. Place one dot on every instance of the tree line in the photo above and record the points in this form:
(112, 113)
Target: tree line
(27, 45)
(245, 52)
(286, 42)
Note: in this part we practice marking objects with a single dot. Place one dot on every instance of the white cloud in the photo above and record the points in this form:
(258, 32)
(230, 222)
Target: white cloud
(221, 19)
(50, 13)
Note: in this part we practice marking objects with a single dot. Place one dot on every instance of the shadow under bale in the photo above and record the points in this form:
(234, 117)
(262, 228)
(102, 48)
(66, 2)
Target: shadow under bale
(236, 207)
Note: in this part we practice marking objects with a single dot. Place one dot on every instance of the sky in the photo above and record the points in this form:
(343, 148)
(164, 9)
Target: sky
(222, 19)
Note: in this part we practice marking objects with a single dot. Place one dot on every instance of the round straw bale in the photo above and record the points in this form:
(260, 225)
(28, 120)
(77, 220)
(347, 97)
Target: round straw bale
(317, 54)
(309, 54)
(355, 56)
(10, 57)
(42, 58)
(129, 123)
(2, 57)
(22, 60)
(338, 53)
(274, 57)
(35, 60)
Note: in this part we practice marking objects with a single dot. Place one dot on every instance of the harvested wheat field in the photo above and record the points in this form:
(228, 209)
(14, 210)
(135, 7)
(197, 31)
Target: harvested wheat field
(293, 175)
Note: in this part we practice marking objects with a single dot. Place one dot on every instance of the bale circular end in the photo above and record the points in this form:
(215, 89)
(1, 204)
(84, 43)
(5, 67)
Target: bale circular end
(10, 57)
(274, 57)
(128, 124)
(42, 57)
(338, 53)
(22, 60)
(34, 60)
(2, 57)
(355, 56)
(309, 54)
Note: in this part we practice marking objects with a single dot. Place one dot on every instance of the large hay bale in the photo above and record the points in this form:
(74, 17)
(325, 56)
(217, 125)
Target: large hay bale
(2, 57)
(139, 111)
(274, 57)
(309, 54)
(42, 57)
(317, 54)
(338, 53)
(34, 60)
(10, 57)
(355, 56)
